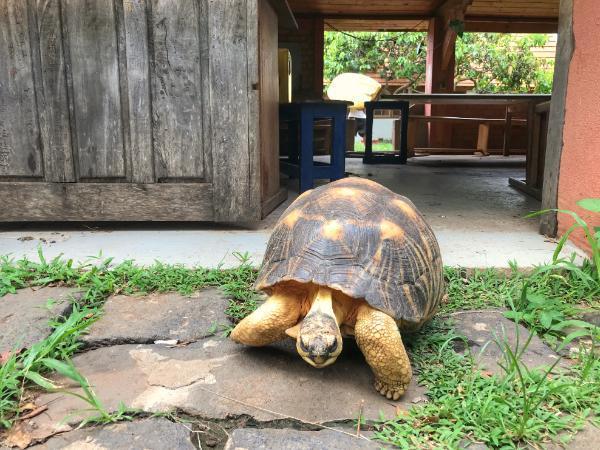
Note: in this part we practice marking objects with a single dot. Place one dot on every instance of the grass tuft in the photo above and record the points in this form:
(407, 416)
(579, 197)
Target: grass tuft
(519, 407)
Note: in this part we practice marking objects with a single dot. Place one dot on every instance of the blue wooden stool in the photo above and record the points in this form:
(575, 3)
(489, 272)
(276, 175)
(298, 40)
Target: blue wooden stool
(379, 158)
(300, 163)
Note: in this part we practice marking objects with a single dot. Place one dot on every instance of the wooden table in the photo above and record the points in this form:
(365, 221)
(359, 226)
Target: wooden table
(531, 100)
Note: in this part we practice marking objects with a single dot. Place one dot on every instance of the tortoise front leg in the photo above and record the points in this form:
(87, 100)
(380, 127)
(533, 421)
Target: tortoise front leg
(378, 337)
(268, 323)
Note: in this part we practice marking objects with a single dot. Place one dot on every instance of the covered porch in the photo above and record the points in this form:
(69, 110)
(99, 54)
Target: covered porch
(537, 124)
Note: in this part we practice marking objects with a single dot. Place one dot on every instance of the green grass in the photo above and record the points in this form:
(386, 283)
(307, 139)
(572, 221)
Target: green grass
(380, 146)
(99, 279)
(516, 408)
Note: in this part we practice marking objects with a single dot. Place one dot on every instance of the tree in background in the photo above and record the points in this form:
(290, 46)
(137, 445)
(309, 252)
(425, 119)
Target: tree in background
(497, 62)
(390, 55)
(494, 62)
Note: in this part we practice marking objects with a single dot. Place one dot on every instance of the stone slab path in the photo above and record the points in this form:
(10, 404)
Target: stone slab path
(269, 439)
(483, 328)
(168, 317)
(195, 372)
(24, 315)
(148, 434)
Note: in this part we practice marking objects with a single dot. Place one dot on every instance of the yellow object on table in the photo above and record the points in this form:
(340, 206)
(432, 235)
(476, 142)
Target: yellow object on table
(355, 88)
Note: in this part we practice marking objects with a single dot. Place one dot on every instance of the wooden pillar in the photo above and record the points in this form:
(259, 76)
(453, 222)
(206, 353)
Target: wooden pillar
(564, 52)
(319, 55)
(441, 60)
(438, 79)
(508, 131)
(439, 76)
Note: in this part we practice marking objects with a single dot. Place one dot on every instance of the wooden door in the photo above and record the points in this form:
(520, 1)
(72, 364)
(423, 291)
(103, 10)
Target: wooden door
(272, 194)
(128, 110)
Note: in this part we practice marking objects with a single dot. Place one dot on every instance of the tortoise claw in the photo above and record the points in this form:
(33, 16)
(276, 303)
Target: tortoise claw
(390, 391)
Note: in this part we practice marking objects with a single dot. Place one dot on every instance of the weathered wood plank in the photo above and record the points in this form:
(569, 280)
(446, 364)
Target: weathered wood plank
(30, 201)
(205, 88)
(53, 104)
(20, 153)
(234, 152)
(269, 101)
(177, 99)
(138, 90)
(92, 40)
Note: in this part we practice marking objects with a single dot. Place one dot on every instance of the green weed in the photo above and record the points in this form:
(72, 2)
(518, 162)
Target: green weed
(517, 408)
(30, 365)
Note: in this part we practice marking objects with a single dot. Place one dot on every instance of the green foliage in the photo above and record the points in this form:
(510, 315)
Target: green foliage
(518, 407)
(592, 236)
(503, 63)
(391, 55)
(479, 289)
(99, 278)
(31, 364)
(496, 63)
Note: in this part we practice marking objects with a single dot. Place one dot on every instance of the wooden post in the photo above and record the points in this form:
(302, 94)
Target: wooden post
(440, 65)
(438, 79)
(564, 51)
(350, 133)
(396, 132)
(530, 119)
(483, 138)
(532, 166)
(319, 55)
(411, 136)
(507, 131)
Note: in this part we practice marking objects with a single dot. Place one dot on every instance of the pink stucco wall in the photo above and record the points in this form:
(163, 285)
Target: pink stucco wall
(580, 161)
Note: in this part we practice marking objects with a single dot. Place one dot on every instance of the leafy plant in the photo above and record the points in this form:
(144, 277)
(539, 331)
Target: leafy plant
(550, 317)
(31, 364)
(498, 62)
(494, 62)
(68, 370)
(592, 236)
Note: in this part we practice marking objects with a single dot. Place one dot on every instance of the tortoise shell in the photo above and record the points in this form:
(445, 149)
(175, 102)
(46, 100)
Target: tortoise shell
(358, 237)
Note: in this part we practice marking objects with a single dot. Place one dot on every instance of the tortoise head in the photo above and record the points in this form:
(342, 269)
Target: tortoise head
(318, 337)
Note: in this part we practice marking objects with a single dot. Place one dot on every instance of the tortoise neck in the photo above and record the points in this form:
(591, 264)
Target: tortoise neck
(323, 302)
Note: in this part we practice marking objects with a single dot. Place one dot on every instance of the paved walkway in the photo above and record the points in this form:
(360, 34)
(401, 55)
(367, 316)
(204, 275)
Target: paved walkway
(209, 248)
(476, 216)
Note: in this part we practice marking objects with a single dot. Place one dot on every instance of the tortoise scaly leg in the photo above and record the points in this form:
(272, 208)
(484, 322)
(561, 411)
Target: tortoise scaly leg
(268, 323)
(378, 337)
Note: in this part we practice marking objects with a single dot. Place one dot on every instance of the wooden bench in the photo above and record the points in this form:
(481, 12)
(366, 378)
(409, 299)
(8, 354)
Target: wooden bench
(482, 135)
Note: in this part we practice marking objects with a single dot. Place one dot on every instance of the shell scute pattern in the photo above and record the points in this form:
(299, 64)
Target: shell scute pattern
(356, 236)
